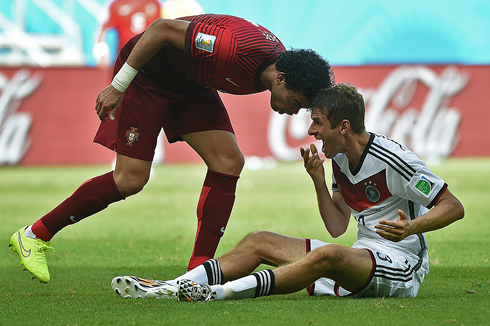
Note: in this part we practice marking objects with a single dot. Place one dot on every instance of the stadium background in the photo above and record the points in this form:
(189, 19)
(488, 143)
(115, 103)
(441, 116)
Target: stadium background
(423, 67)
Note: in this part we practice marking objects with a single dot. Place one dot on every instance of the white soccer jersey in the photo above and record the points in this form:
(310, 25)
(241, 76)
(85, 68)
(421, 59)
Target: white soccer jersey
(388, 177)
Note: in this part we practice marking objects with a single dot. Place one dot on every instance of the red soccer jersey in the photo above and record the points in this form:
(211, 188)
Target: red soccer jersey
(222, 52)
(131, 17)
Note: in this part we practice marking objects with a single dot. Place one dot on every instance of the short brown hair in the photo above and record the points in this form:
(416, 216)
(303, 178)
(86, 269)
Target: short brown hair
(340, 102)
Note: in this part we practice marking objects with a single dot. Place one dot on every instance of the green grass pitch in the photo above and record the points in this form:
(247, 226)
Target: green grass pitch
(151, 235)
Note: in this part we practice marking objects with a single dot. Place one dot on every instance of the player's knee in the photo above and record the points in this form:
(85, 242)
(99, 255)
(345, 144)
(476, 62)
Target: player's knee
(130, 183)
(254, 241)
(235, 163)
(232, 163)
(325, 258)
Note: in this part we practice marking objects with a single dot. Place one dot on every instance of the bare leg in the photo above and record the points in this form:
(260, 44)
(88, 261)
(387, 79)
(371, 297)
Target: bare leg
(349, 267)
(218, 149)
(261, 248)
(131, 174)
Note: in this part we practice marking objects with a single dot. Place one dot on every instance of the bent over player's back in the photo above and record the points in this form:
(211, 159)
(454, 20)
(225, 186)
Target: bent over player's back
(221, 51)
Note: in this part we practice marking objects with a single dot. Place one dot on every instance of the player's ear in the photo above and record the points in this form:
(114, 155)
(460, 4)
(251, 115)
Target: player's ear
(280, 78)
(344, 126)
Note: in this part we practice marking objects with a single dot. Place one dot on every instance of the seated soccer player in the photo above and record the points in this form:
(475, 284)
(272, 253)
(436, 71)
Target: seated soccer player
(382, 184)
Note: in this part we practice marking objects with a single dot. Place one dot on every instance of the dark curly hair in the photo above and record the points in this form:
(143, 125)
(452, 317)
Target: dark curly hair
(305, 71)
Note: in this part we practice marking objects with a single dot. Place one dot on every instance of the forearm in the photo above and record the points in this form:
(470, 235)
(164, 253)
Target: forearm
(159, 33)
(333, 217)
(448, 210)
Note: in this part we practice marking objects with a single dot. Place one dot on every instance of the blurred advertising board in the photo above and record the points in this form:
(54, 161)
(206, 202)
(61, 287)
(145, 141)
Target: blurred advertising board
(47, 116)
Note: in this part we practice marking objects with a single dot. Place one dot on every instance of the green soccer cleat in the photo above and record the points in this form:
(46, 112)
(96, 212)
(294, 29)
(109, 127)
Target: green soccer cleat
(32, 253)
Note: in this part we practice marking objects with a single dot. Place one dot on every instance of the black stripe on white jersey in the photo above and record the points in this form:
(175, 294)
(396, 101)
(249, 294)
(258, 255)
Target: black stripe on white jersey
(394, 274)
(400, 279)
(395, 157)
(394, 161)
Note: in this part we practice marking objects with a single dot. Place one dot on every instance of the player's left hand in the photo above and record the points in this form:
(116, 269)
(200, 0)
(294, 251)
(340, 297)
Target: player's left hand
(394, 231)
(108, 101)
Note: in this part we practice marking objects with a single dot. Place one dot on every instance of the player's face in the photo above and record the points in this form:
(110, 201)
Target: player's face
(321, 129)
(286, 101)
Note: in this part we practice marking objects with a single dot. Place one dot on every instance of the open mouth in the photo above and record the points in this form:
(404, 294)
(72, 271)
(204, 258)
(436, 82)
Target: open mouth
(323, 143)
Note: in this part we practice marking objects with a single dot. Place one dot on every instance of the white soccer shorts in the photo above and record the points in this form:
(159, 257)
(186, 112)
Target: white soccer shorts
(394, 275)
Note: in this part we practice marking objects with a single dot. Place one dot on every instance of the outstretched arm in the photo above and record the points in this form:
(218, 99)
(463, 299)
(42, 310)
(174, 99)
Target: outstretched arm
(334, 211)
(447, 210)
(159, 33)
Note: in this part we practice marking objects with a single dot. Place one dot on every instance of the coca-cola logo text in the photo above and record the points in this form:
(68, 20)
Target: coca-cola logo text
(430, 130)
(14, 125)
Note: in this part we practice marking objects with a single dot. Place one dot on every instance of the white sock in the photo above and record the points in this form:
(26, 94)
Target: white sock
(223, 292)
(197, 275)
(28, 232)
(208, 272)
(238, 289)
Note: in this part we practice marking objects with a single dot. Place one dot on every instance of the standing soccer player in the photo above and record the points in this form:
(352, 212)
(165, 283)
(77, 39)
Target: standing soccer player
(168, 77)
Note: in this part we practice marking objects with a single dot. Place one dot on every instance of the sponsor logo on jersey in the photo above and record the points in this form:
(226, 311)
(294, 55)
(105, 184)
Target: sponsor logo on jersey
(424, 185)
(132, 135)
(205, 42)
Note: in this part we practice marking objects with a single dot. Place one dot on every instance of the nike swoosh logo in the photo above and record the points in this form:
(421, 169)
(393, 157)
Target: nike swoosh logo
(73, 219)
(22, 249)
(222, 229)
(229, 80)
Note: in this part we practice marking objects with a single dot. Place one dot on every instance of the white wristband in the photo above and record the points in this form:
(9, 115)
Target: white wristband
(124, 77)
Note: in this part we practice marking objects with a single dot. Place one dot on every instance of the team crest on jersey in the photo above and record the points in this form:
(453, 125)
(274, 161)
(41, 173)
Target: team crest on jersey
(205, 42)
(424, 185)
(132, 135)
(372, 193)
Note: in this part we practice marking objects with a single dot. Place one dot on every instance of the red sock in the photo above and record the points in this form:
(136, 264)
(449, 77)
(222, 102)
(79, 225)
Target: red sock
(213, 211)
(91, 197)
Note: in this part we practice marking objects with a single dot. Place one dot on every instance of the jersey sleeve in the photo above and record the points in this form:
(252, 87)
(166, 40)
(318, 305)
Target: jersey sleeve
(417, 184)
(210, 42)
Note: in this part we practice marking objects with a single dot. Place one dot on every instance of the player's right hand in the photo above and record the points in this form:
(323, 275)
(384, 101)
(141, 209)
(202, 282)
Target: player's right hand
(313, 164)
(108, 101)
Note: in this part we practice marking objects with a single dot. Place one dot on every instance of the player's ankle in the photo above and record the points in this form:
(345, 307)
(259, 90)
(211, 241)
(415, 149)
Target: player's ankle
(28, 232)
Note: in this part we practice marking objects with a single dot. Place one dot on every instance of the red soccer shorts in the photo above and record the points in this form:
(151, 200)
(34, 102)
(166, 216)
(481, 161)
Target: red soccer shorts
(147, 108)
